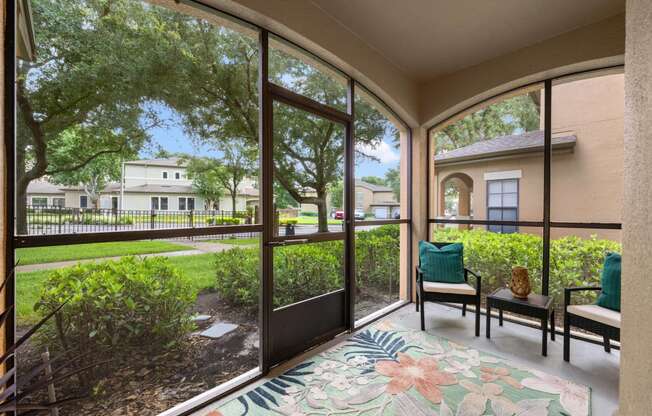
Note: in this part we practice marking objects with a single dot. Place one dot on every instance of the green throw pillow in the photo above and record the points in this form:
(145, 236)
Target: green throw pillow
(444, 265)
(610, 295)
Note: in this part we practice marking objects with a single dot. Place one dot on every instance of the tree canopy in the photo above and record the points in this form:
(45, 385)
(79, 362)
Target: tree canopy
(499, 119)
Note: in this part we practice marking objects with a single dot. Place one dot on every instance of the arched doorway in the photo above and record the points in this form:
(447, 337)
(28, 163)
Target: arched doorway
(455, 192)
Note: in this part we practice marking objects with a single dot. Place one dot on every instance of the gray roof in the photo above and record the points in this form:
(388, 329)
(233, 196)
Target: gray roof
(43, 187)
(372, 187)
(160, 189)
(170, 161)
(505, 145)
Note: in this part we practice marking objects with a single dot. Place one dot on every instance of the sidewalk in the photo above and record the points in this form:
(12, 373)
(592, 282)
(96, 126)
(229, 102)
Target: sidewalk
(194, 248)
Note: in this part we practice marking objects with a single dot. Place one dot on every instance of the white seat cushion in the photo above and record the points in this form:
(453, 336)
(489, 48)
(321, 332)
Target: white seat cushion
(596, 313)
(457, 288)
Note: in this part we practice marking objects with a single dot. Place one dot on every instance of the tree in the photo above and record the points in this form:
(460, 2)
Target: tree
(503, 118)
(94, 176)
(393, 180)
(337, 195)
(204, 173)
(97, 61)
(308, 151)
(237, 164)
(374, 180)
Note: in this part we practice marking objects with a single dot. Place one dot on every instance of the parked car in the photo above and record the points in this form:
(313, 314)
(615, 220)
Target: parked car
(339, 215)
(359, 214)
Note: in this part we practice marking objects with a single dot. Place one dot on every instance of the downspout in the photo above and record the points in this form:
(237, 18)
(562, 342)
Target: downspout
(122, 186)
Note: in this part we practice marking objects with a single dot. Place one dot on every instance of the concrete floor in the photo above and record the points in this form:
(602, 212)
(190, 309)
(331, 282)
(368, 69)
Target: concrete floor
(589, 364)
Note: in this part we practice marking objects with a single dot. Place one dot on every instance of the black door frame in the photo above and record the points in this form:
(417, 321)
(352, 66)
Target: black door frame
(285, 331)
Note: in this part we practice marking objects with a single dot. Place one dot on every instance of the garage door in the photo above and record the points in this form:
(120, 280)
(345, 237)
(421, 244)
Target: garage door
(380, 213)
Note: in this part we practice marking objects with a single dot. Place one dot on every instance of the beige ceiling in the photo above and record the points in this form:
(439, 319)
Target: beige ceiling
(428, 38)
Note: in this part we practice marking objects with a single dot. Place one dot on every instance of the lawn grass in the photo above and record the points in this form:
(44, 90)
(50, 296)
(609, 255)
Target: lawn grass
(305, 220)
(37, 255)
(199, 268)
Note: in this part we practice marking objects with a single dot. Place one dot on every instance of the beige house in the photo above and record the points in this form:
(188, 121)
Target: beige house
(377, 200)
(502, 178)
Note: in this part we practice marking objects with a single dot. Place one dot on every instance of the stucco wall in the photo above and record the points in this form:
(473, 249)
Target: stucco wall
(636, 332)
(600, 44)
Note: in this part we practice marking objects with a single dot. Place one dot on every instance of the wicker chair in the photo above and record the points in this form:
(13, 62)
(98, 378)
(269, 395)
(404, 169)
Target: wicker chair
(449, 292)
(592, 318)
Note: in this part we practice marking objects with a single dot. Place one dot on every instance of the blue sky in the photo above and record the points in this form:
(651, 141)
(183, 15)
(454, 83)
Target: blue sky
(172, 138)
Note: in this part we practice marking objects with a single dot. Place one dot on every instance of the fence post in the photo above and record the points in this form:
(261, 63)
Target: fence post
(151, 219)
(115, 219)
(59, 219)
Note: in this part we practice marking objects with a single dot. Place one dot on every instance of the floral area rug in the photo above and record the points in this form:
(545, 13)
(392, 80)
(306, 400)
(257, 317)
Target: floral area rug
(390, 370)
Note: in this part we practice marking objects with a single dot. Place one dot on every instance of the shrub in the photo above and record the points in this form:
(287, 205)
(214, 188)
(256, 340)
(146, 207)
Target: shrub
(377, 258)
(115, 305)
(222, 221)
(238, 276)
(308, 214)
(109, 220)
(289, 221)
(574, 261)
(304, 271)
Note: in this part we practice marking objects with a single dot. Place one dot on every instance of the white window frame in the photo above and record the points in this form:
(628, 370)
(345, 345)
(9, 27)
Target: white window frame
(503, 208)
(177, 175)
(165, 174)
(40, 198)
(159, 203)
(82, 198)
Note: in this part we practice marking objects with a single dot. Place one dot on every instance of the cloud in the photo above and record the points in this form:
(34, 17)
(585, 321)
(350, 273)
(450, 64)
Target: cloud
(384, 152)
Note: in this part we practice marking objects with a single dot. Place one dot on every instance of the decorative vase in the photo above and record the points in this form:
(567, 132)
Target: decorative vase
(520, 285)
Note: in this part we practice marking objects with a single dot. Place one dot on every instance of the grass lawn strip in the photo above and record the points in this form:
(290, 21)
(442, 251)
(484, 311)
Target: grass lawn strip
(38, 255)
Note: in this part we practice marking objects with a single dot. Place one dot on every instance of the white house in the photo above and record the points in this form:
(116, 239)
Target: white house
(150, 184)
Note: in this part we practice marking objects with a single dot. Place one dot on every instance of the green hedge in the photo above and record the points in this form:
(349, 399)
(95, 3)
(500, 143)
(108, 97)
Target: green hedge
(307, 270)
(113, 306)
(222, 221)
(574, 261)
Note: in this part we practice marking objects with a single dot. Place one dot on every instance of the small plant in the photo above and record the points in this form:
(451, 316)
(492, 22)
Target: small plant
(117, 305)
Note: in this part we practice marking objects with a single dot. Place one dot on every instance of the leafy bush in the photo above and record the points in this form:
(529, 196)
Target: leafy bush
(222, 221)
(304, 271)
(289, 221)
(377, 258)
(574, 261)
(115, 305)
(308, 214)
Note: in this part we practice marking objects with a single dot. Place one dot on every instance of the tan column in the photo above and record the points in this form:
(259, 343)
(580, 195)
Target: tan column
(636, 332)
(419, 206)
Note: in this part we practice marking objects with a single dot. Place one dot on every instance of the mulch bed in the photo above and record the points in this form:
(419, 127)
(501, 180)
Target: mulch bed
(143, 385)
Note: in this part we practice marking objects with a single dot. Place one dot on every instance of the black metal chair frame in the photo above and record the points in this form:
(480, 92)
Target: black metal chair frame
(608, 332)
(423, 296)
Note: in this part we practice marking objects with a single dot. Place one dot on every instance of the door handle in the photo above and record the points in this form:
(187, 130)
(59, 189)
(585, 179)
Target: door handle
(287, 242)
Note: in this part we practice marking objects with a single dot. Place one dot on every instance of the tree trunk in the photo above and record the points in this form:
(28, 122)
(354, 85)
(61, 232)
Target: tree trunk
(21, 209)
(322, 213)
(21, 192)
(234, 196)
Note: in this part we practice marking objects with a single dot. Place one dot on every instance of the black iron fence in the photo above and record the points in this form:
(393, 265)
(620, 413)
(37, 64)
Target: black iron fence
(61, 220)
